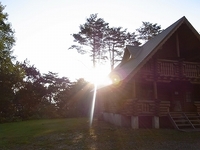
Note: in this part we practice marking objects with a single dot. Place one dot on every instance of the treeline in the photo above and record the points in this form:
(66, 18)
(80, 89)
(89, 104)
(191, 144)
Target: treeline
(25, 93)
(28, 94)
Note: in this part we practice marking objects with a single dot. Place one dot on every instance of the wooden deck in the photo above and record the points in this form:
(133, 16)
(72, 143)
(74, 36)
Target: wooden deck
(145, 108)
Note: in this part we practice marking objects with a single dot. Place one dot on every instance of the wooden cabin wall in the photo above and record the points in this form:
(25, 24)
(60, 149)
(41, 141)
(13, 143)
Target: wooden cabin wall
(164, 93)
(196, 93)
(144, 90)
(115, 96)
(168, 50)
(189, 44)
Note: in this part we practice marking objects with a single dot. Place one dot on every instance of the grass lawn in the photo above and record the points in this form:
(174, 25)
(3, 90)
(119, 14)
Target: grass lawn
(75, 134)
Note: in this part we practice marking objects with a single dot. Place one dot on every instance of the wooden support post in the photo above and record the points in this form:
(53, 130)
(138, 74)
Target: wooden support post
(134, 122)
(134, 90)
(155, 90)
(177, 45)
(155, 122)
(155, 119)
(134, 103)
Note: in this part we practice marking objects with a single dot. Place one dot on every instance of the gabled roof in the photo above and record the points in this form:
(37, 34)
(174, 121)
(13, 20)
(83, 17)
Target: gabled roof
(130, 52)
(139, 56)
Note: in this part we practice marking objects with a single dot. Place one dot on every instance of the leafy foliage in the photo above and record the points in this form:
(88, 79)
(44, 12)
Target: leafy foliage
(114, 42)
(148, 30)
(91, 35)
(104, 42)
(44, 96)
(10, 74)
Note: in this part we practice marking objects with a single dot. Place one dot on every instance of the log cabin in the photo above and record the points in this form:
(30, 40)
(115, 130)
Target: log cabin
(157, 85)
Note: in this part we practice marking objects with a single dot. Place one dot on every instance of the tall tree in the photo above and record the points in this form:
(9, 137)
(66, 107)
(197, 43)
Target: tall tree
(90, 36)
(31, 92)
(148, 30)
(131, 39)
(7, 39)
(9, 72)
(115, 40)
(104, 43)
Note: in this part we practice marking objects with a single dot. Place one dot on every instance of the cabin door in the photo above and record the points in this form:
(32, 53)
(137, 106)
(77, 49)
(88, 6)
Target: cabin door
(177, 99)
(189, 95)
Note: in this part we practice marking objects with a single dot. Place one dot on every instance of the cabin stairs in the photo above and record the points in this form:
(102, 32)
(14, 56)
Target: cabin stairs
(185, 121)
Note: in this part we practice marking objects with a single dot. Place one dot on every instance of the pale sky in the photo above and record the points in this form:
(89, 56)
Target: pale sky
(43, 27)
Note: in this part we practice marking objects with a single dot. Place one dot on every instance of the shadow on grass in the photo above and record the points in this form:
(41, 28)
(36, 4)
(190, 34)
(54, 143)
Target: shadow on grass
(75, 134)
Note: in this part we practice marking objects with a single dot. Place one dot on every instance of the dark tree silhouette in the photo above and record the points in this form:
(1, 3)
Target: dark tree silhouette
(10, 75)
(90, 36)
(115, 40)
(148, 30)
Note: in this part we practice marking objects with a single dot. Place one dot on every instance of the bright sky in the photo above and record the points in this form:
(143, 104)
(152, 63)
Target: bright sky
(43, 27)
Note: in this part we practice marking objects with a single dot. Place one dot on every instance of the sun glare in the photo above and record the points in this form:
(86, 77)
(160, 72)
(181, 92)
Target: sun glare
(98, 76)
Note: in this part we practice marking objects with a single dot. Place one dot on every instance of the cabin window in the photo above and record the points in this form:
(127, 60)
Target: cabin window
(188, 96)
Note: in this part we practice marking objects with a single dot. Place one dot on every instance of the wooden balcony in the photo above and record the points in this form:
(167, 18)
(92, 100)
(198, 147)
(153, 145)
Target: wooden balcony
(172, 68)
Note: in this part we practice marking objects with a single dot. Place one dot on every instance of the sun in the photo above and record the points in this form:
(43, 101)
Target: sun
(98, 76)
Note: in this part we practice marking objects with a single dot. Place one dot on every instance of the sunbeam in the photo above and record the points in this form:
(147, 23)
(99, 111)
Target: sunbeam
(93, 103)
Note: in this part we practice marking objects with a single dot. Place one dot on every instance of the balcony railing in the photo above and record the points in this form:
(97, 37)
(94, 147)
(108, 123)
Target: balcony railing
(172, 68)
(191, 69)
(168, 68)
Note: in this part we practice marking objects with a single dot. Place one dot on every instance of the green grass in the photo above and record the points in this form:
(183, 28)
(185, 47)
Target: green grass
(75, 134)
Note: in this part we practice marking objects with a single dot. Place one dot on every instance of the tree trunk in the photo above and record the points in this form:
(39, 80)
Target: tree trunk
(113, 61)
